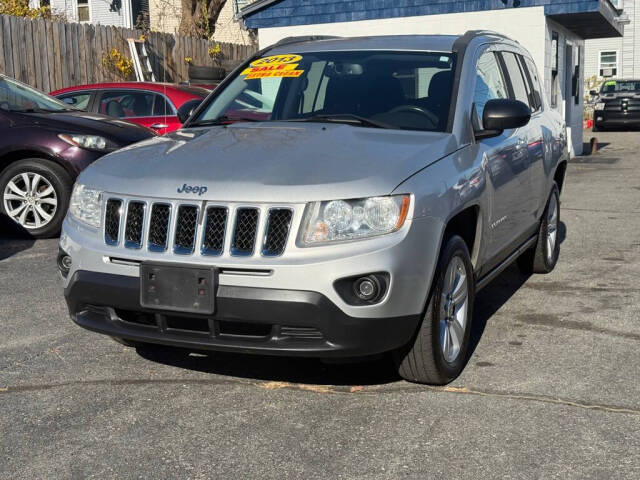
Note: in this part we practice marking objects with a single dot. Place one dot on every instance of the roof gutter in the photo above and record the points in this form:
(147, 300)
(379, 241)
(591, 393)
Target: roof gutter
(254, 7)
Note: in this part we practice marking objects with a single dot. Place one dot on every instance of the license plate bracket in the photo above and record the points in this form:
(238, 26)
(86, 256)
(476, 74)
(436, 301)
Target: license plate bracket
(177, 288)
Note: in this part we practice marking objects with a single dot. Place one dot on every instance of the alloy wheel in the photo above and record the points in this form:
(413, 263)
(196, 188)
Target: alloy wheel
(30, 200)
(453, 309)
(552, 227)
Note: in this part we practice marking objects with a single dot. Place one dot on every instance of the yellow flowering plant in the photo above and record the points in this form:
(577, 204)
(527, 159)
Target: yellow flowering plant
(115, 61)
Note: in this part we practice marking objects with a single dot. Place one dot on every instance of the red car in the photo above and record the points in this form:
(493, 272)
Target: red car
(154, 105)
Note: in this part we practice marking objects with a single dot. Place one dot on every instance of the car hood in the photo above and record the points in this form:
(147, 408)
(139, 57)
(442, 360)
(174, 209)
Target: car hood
(270, 162)
(122, 132)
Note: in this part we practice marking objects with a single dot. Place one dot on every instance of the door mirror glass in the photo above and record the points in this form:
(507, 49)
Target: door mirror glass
(503, 114)
(187, 108)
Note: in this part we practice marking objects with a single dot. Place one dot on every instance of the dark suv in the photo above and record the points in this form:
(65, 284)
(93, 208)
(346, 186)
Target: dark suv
(44, 144)
(617, 105)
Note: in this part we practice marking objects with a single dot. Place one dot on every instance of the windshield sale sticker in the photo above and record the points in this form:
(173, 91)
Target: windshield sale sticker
(274, 66)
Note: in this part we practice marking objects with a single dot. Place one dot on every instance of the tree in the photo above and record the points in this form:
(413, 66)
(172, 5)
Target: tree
(199, 17)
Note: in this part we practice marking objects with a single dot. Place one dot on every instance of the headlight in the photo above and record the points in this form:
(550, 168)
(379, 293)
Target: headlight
(600, 106)
(89, 142)
(343, 220)
(86, 205)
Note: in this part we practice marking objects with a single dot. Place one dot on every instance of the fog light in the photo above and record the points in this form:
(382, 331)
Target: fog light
(367, 288)
(64, 262)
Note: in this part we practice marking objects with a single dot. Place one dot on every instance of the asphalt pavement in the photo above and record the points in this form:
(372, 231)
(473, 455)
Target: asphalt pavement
(551, 390)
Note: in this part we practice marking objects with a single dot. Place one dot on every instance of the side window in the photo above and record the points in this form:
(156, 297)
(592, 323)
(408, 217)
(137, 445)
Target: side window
(535, 81)
(490, 84)
(515, 75)
(126, 104)
(161, 107)
(77, 100)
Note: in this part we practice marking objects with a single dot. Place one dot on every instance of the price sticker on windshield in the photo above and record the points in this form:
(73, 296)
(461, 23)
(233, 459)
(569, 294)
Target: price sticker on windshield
(274, 66)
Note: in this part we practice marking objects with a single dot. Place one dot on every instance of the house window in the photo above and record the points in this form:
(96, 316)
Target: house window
(83, 10)
(608, 64)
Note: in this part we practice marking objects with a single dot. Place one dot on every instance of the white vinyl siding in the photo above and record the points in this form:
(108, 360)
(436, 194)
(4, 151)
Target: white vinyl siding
(99, 12)
(628, 47)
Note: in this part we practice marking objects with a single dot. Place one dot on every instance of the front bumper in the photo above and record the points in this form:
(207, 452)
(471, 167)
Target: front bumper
(605, 118)
(246, 320)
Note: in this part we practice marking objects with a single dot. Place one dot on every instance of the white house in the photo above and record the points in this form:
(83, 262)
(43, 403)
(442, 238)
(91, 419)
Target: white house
(119, 13)
(554, 31)
(619, 56)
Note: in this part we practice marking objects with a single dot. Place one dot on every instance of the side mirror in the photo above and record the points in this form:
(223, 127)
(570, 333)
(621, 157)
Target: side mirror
(70, 100)
(503, 114)
(594, 93)
(187, 108)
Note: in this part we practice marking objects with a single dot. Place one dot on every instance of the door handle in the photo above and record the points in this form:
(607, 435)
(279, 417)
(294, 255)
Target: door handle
(158, 126)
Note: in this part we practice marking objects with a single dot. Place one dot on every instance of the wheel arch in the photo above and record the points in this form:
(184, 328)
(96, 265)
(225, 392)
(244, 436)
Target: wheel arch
(466, 223)
(7, 158)
(559, 174)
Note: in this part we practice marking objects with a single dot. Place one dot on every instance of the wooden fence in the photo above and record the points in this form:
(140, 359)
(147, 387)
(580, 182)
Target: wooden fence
(51, 55)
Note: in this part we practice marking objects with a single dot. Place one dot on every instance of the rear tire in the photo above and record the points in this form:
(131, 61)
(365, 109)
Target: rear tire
(438, 352)
(35, 193)
(543, 257)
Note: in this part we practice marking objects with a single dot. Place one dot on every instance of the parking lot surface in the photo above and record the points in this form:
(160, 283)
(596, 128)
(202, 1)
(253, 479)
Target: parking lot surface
(552, 388)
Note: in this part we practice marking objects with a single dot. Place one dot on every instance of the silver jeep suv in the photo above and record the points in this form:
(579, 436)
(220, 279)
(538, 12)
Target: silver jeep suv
(333, 197)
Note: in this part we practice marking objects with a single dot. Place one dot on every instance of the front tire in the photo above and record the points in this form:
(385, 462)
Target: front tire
(35, 193)
(438, 352)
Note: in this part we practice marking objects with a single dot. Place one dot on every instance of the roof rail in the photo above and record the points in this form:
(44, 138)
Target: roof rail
(477, 33)
(303, 38)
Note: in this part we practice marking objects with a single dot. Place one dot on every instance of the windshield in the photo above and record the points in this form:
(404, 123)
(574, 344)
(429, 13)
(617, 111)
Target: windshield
(400, 90)
(615, 86)
(18, 97)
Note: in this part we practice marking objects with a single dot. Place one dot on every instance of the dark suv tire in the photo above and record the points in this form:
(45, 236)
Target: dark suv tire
(438, 352)
(35, 193)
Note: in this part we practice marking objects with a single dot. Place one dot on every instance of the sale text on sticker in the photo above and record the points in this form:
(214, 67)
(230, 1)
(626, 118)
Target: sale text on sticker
(274, 66)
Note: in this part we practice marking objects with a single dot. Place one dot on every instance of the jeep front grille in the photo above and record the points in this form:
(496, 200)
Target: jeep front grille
(112, 222)
(201, 229)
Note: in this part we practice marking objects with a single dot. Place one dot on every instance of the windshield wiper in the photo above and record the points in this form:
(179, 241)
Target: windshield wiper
(343, 118)
(223, 120)
(43, 110)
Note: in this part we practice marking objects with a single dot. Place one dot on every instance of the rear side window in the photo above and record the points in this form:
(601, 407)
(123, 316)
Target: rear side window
(161, 107)
(490, 84)
(535, 82)
(127, 104)
(518, 82)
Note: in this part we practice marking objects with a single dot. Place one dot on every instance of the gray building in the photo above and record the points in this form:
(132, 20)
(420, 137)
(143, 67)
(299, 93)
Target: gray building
(617, 57)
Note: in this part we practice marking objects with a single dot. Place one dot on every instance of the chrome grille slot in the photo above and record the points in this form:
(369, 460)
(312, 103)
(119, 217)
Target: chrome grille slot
(133, 225)
(277, 232)
(215, 229)
(245, 232)
(186, 225)
(159, 227)
(112, 221)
